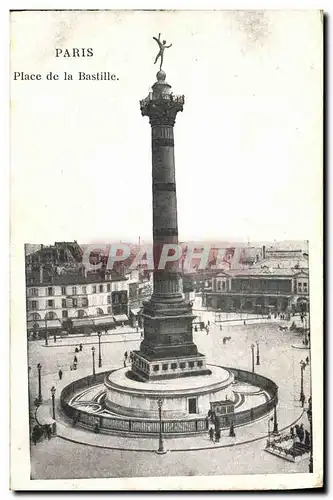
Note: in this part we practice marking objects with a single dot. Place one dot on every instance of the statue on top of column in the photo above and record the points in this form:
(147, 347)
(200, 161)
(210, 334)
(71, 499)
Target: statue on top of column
(162, 47)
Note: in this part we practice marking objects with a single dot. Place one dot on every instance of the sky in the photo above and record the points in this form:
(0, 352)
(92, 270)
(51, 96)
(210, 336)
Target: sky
(248, 145)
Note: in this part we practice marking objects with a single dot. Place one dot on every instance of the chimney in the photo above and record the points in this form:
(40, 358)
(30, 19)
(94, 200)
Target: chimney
(41, 273)
(264, 252)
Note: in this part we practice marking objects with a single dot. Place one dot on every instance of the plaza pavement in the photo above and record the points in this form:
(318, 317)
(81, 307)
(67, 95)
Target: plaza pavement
(278, 361)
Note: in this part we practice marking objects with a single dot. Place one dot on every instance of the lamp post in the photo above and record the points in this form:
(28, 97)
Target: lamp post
(252, 349)
(39, 368)
(258, 353)
(275, 426)
(46, 333)
(99, 350)
(93, 360)
(303, 365)
(269, 431)
(53, 391)
(161, 449)
(309, 413)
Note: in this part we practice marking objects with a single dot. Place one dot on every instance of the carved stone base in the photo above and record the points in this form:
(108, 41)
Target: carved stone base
(147, 368)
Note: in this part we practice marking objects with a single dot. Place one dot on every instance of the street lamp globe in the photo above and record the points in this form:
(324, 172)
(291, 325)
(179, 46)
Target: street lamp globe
(99, 333)
(160, 402)
(93, 349)
(53, 390)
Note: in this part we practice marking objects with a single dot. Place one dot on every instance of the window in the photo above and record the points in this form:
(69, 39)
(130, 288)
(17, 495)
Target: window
(63, 303)
(199, 363)
(33, 292)
(50, 291)
(164, 367)
(80, 314)
(84, 302)
(63, 290)
(299, 287)
(192, 405)
(305, 287)
(35, 316)
(191, 364)
(108, 287)
(50, 303)
(173, 366)
(156, 368)
(84, 289)
(182, 365)
(33, 304)
(223, 285)
(65, 314)
(50, 315)
(101, 288)
(94, 289)
(74, 302)
(109, 299)
(73, 290)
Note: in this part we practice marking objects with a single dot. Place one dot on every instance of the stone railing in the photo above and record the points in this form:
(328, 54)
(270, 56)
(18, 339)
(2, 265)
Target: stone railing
(169, 427)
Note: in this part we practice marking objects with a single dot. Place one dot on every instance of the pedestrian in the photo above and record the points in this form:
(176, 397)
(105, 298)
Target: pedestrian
(301, 433)
(48, 432)
(54, 338)
(195, 328)
(307, 439)
(81, 347)
(307, 360)
(60, 374)
(125, 355)
(217, 435)
(34, 435)
(211, 434)
(76, 349)
(297, 430)
(75, 359)
(208, 323)
(74, 366)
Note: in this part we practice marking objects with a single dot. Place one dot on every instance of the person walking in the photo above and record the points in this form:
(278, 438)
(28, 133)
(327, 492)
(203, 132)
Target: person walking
(60, 374)
(126, 355)
(48, 432)
(81, 347)
(211, 434)
(75, 359)
(301, 433)
(307, 439)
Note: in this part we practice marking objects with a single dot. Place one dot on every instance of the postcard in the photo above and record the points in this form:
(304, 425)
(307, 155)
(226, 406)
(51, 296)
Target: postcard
(166, 250)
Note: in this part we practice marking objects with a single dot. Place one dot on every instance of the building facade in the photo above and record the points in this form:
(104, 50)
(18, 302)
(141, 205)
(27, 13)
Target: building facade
(259, 290)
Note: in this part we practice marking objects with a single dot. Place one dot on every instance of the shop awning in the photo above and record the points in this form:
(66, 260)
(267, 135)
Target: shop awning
(82, 322)
(120, 318)
(136, 311)
(52, 323)
(102, 320)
